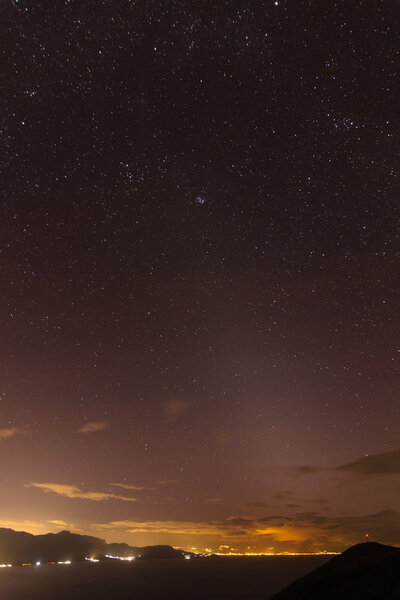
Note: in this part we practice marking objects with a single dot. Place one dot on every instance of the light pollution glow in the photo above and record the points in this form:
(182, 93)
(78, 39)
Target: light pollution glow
(202, 538)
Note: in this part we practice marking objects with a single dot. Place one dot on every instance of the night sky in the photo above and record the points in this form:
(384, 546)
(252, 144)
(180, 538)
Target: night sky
(199, 263)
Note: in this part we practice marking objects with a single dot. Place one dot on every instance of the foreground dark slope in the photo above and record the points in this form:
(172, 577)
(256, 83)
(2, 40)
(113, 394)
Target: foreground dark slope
(368, 571)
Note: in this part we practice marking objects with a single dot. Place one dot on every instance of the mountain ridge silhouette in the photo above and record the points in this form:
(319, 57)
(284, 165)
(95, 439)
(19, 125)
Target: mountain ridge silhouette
(18, 547)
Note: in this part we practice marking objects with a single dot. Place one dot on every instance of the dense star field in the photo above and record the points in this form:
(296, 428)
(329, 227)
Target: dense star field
(199, 259)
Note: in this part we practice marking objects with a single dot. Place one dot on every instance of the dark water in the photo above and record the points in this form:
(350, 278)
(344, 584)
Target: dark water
(230, 578)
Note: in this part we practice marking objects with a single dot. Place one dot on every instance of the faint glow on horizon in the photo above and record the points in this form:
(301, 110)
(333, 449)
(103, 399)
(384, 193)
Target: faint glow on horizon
(323, 553)
(207, 552)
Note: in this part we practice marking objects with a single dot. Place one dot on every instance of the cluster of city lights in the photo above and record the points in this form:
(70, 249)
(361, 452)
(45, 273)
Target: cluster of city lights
(323, 553)
(38, 563)
(208, 552)
(69, 562)
(228, 551)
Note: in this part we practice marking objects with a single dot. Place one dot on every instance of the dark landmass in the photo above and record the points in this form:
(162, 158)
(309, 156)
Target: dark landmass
(18, 547)
(368, 571)
(159, 552)
(121, 549)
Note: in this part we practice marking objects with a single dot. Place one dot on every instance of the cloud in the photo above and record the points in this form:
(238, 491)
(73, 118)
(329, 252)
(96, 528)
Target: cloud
(39, 527)
(175, 408)
(239, 530)
(70, 491)
(387, 463)
(213, 500)
(9, 432)
(382, 526)
(60, 523)
(224, 436)
(384, 464)
(303, 470)
(170, 527)
(229, 526)
(127, 486)
(34, 527)
(240, 521)
(167, 481)
(93, 426)
(284, 495)
(301, 532)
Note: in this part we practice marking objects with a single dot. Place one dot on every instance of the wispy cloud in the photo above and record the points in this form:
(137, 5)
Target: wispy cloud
(9, 432)
(175, 408)
(61, 523)
(171, 527)
(283, 495)
(387, 463)
(255, 504)
(303, 470)
(128, 486)
(167, 481)
(384, 464)
(70, 491)
(93, 426)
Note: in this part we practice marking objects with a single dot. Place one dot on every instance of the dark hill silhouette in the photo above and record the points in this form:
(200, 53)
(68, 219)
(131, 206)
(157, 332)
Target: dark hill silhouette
(67, 546)
(368, 571)
(159, 552)
(21, 547)
(122, 549)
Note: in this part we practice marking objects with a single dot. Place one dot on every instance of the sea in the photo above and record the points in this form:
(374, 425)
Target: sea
(213, 578)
